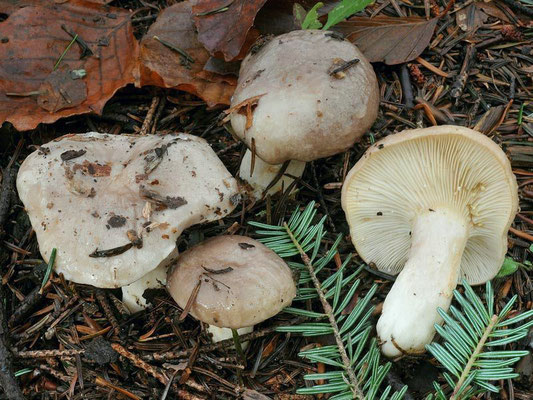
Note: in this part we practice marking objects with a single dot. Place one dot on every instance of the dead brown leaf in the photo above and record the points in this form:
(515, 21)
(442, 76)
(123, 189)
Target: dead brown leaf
(10, 6)
(172, 57)
(32, 43)
(392, 40)
(223, 25)
(470, 18)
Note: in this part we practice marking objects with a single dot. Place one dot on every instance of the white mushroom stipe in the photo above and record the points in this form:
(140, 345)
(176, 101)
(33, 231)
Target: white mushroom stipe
(220, 334)
(114, 205)
(132, 294)
(434, 204)
(264, 174)
(438, 241)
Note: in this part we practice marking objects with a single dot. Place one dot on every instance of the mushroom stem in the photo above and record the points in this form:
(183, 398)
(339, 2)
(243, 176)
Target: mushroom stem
(132, 294)
(264, 179)
(426, 282)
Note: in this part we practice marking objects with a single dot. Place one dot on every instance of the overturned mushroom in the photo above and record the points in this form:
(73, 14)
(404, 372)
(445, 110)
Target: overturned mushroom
(435, 205)
(231, 282)
(304, 95)
(114, 205)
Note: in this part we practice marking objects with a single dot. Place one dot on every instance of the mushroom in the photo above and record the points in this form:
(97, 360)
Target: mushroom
(236, 282)
(263, 179)
(304, 95)
(114, 205)
(435, 205)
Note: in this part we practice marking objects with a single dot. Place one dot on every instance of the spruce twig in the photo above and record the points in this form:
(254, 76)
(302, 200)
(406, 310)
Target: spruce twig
(356, 390)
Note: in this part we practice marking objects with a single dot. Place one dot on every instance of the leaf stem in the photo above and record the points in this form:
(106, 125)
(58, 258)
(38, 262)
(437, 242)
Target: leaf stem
(356, 391)
(473, 357)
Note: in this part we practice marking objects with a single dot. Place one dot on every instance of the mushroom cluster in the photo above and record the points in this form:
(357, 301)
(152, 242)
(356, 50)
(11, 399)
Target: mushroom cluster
(304, 95)
(114, 205)
(433, 205)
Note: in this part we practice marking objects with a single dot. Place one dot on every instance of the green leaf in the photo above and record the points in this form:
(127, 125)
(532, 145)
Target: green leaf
(49, 268)
(509, 267)
(344, 10)
(311, 19)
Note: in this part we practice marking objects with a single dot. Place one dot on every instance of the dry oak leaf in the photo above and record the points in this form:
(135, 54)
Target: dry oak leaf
(392, 40)
(10, 6)
(172, 57)
(33, 41)
(225, 31)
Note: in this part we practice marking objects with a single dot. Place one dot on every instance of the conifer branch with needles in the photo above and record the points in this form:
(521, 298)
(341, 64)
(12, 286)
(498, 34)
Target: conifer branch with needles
(356, 371)
(354, 384)
(470, 334)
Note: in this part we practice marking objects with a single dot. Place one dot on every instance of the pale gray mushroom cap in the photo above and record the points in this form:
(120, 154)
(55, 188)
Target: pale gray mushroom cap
(420, 170)
(94, 191)
(243, 282)
(305, 113)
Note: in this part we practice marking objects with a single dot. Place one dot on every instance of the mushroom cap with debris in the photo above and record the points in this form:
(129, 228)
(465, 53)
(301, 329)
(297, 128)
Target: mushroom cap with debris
(294, 106)
(418, 170)
(114, 205)
(242, 282)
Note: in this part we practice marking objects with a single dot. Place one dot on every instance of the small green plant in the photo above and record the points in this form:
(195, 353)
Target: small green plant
(471, 332)
(342, 11)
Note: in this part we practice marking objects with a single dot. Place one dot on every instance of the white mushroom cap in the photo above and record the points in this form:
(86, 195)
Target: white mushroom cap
(96, 191)
(425, 169)
(304, 113)
(243, 282)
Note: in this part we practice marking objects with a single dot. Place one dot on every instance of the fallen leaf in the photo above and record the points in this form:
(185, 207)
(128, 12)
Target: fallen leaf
(493, 10)
(32, 43)
(392, 40)
(470, 18)
(10, 6)
(223, 25)
(172, 57)
(61, 90)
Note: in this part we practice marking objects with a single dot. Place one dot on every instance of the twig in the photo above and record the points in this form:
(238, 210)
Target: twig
(356, 390)
(516, 6)
(460, 81)
(48, 353)
(101, 297)
(173, 355)
(474, 355)
(150, 116)
(103, 383)
(140, 363)
(7, 378)
(405, 81)
(26, 305)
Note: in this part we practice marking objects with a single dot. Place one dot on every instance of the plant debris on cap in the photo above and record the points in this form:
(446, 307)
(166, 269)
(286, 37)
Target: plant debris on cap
(303, 96)
(114, 205)
(242, 282)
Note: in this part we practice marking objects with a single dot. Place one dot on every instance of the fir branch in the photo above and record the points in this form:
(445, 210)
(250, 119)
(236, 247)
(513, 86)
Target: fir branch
(353, 358)
(470, 335)
(473, 357)
(354, 384)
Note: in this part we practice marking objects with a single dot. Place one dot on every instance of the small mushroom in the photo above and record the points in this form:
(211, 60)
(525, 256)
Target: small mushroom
(304, 95)
(114, 205)
(433, 205)
(231, 282)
